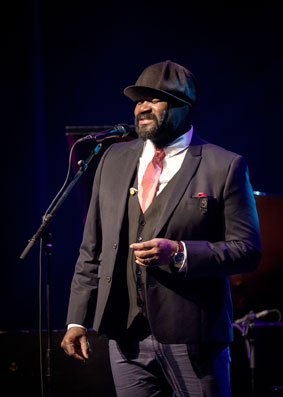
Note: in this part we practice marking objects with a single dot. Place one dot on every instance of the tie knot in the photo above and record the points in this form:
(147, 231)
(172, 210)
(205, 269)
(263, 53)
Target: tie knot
(159, 156)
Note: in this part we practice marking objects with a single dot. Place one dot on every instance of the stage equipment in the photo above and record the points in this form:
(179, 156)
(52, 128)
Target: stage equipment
(44, 234)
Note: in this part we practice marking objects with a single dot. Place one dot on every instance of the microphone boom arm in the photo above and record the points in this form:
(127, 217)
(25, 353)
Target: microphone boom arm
(49, 217)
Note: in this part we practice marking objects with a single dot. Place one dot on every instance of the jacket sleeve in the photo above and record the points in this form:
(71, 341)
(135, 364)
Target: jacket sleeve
(84, 285)
(240, 251)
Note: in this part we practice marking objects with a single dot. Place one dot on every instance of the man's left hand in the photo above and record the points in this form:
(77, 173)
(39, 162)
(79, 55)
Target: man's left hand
(154, 252)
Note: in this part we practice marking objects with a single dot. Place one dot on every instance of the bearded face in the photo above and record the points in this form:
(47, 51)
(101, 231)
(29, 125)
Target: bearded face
(161, 122)
(147, 124)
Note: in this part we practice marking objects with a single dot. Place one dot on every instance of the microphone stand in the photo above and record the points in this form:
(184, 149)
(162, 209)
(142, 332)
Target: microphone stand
(49, 217)
(247, 327)
(47, 237)
(44, 233)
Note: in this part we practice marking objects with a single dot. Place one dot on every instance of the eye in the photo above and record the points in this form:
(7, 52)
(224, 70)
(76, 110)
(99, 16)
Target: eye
(151, 100)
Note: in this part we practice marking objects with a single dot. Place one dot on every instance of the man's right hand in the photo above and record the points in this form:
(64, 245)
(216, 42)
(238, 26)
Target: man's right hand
(75, 343)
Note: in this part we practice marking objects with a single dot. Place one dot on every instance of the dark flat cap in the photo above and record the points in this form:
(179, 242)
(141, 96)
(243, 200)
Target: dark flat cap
(166, 80)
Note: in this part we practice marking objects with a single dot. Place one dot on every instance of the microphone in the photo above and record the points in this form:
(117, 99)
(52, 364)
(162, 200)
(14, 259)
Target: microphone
(251, 316)
(119, 131)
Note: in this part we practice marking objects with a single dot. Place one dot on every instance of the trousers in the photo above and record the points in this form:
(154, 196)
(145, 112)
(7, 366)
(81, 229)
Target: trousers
(148, 368)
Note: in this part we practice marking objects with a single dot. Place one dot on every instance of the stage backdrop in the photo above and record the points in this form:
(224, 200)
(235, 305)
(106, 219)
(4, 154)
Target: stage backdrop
(68, 65)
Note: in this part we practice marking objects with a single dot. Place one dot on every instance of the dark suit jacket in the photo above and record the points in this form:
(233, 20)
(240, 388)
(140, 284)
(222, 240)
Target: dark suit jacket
(221, 233)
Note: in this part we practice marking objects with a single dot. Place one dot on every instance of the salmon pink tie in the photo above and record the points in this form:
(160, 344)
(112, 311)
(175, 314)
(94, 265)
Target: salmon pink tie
(150, 181)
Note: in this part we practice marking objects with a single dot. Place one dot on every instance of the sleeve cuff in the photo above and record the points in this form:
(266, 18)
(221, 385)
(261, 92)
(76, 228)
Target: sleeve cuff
(75, 325)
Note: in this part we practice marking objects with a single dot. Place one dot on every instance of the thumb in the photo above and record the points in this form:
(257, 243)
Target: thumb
(84, 346)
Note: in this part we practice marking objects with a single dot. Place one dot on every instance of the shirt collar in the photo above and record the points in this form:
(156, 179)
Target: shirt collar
(178, 145)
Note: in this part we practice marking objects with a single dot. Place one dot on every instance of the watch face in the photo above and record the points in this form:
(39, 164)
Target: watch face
(179, 257)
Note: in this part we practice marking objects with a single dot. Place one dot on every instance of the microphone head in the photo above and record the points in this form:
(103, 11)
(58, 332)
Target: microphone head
(125, 129)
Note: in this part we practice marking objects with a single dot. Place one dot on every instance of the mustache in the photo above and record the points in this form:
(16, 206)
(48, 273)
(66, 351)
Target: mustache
(146, 115)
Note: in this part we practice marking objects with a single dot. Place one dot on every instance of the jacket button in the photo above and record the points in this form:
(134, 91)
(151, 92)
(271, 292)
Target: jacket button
(115, 245)
(108, 279)
(140, 238)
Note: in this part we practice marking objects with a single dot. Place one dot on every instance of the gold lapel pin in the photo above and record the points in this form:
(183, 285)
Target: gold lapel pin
(133, 191)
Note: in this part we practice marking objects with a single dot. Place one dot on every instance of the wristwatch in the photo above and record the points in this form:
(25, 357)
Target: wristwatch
(178, 256)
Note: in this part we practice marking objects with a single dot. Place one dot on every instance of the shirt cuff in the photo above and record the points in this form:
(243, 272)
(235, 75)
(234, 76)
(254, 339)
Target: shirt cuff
(75, 325)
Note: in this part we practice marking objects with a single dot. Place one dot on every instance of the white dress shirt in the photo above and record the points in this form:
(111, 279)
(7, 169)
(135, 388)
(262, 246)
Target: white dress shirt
(172, 162)
(174, 156)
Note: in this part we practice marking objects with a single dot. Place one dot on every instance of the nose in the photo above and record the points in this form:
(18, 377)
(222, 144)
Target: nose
(143, 106)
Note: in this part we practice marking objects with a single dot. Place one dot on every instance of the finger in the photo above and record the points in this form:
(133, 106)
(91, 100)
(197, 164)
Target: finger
(147, 262)
(72, 350)
(78, 356)
(151, 254)
(84, 347)
(143, 257)
(146, 245)
(68, 347)
(141, 263)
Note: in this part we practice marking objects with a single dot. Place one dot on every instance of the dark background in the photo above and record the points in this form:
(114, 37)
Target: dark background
(68, 65)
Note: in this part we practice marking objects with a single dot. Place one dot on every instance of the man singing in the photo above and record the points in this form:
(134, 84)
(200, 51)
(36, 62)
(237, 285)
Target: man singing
(170, 219)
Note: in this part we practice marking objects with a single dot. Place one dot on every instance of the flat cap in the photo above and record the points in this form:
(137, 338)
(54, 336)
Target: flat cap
(166, 80)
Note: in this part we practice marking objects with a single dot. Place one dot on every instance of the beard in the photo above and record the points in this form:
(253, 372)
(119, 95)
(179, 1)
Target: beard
(146, 131)
(174, 123)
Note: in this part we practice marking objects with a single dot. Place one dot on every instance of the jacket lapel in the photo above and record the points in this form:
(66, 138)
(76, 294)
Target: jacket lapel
(129, 161)
(181, 182)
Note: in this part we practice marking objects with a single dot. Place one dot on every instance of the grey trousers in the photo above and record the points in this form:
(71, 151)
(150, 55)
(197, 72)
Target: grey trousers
(147, 368)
